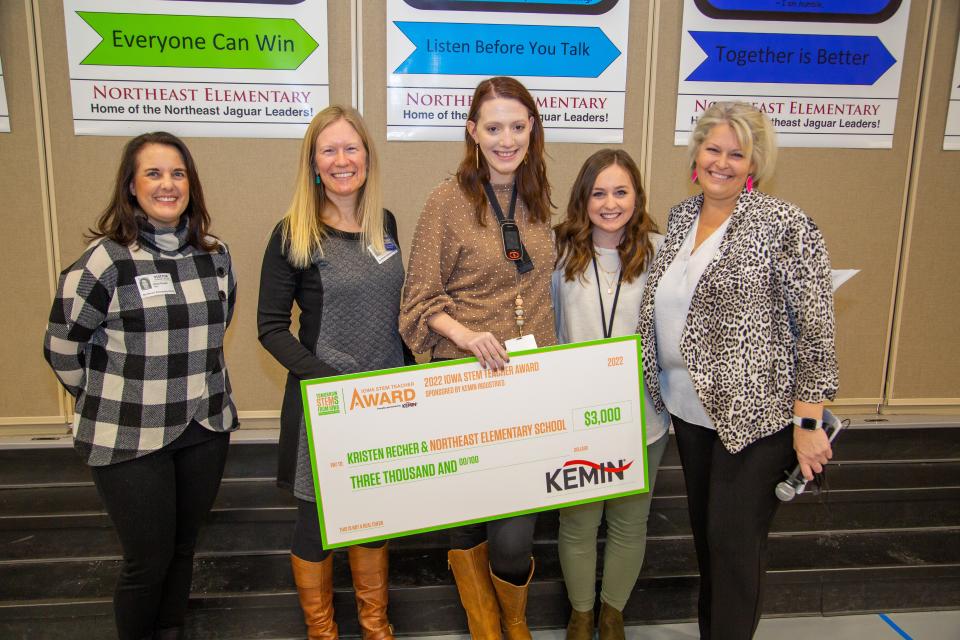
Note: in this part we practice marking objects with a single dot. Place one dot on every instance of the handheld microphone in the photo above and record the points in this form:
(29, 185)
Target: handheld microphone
(795, 484)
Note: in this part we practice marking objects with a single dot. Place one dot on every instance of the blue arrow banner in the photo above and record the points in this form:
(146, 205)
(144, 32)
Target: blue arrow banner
(790, 58)
(506, 49)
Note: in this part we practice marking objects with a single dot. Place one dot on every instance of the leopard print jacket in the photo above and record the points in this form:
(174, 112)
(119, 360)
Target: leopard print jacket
(760, 330)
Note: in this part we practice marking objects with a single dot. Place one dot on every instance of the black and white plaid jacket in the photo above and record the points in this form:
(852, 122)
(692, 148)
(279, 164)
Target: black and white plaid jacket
(136, 336)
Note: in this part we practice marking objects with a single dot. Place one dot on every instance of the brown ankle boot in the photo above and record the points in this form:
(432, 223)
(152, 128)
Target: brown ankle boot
(471, 570)
(610, 623)
(513, 606)
(580, 626)
(315, 588)
(369, 570)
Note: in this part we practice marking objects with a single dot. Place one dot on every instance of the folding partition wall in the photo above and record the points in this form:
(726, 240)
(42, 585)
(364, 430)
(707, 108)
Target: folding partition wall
(892, 213)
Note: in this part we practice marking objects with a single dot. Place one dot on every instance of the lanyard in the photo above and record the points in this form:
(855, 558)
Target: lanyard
(513, 247)
(495, 204)
(607, 331)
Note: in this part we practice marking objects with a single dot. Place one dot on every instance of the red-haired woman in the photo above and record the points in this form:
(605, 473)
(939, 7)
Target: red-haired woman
(463, 296)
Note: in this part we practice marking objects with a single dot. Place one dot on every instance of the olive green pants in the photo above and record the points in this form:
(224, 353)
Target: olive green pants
(626, 543)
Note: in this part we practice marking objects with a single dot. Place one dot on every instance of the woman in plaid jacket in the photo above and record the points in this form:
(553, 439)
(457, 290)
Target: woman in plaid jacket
(136, 337)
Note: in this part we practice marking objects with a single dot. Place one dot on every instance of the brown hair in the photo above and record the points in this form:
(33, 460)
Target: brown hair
(118, 222)
(574, 236)
(532, 185)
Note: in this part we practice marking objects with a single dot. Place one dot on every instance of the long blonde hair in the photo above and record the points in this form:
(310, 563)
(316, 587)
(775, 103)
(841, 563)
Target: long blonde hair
(303, 227)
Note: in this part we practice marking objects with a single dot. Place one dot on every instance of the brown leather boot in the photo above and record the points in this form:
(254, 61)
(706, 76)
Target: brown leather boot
(369, 570)
(580, 626)
(471, 570)
(315, 588)
(513, 606)
(610, 623)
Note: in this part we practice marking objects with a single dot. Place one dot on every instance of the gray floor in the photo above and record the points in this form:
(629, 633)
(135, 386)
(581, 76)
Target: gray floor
(927, 625)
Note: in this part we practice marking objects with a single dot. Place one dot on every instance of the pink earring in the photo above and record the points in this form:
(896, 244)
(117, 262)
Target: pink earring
(749, 183)
(693, 176)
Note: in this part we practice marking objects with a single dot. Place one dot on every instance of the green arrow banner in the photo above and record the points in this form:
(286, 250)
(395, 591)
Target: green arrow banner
(211, 42)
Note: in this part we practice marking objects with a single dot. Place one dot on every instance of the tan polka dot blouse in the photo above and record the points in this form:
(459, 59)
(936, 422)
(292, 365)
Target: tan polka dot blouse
(458, 266)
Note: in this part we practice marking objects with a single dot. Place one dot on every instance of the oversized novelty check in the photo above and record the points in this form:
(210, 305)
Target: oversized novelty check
(415, 449)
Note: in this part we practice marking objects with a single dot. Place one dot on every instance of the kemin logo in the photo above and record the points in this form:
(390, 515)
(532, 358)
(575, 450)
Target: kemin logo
(580, 473)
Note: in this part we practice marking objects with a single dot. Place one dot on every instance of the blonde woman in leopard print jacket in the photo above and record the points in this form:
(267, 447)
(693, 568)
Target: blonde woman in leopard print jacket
(738, 332)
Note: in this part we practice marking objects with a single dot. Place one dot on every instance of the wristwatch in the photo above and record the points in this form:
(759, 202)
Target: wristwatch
(808, 424)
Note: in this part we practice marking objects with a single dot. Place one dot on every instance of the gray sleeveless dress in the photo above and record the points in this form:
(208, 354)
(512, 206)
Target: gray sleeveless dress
(358, 326)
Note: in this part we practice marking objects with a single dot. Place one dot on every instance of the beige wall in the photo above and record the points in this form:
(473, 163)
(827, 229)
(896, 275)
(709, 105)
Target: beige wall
(856, 196)
(28, 391)
(887, 212)
(925, 361)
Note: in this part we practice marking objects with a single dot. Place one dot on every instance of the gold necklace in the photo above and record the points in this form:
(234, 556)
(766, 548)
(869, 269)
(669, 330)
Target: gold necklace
(609, 280)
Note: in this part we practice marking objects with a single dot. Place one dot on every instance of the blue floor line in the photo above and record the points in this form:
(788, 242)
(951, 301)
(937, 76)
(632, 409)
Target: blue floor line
(893, 625)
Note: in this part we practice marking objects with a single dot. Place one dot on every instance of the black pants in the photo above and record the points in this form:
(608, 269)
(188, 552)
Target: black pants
(731, 502)
(509, 541)
(157, 504)
(307, 544)
(509, 544)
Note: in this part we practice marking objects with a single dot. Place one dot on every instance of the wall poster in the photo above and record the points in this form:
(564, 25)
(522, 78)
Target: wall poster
(827, 73)
(212, 69)
(570, 54)
(951, 137)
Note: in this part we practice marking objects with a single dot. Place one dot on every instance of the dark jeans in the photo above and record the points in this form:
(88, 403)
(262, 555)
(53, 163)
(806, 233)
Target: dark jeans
(307, 544)
(731, 502)
(157, 503)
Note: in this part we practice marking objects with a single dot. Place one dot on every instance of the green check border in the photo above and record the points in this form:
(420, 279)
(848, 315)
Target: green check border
(447, 363)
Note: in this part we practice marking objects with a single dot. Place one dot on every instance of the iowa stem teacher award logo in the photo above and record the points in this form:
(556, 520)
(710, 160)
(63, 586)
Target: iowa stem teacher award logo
(384, 397)
(575, 474)
(328, 403)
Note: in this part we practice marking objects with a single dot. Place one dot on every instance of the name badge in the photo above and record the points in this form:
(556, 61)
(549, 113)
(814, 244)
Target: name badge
(522, 343)
(389, 250)
(155, 284)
